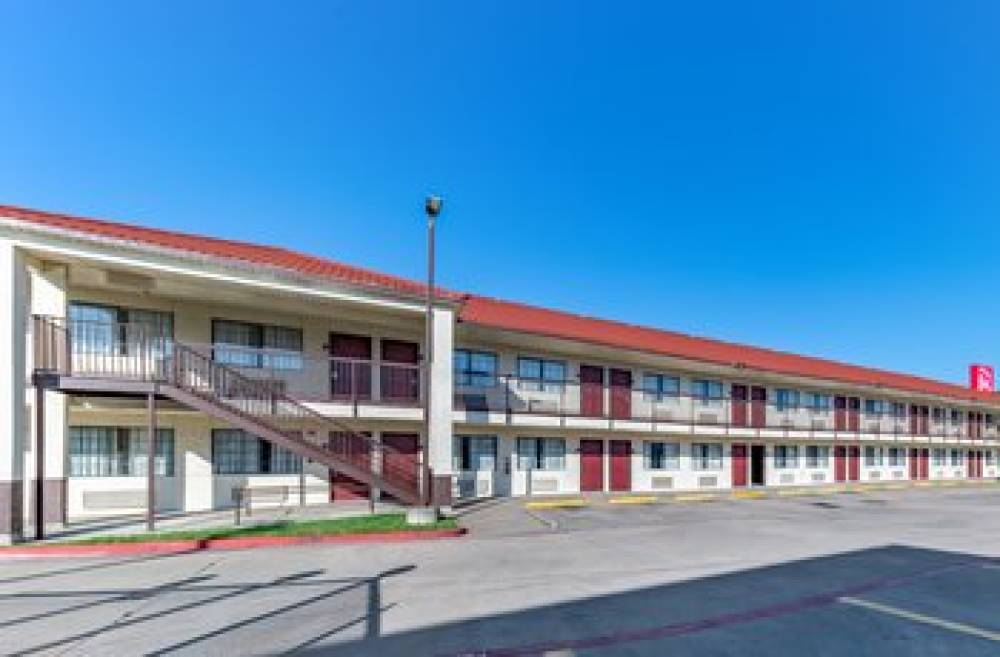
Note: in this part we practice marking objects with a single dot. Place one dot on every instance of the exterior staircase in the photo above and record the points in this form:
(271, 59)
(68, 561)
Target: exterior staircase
(131, 360)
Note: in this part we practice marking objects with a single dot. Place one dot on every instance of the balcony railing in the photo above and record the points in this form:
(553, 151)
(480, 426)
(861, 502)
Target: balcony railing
(137, 351)
(512, 396)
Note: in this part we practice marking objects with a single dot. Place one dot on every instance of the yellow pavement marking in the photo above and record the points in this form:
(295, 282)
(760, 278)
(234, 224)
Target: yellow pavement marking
(748, 494)
(556, 504)
(961, 628)
(925, 484)
(636, 499)
(696, 497)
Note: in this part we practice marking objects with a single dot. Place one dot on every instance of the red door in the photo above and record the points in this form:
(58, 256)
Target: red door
(925, 420)
(970, 464)
(621, 394)
(401, 460)
(914, 420)
(840, 463)
(924, 463)
(356, 448)
(400, 377)
(739, 465)
(740, 416)
(350, 366)
(620, 474)
(914, 464)
(591, 465)
(853, 463)
(758, 407)
(853, 413)
(591, 391)
(840, 413)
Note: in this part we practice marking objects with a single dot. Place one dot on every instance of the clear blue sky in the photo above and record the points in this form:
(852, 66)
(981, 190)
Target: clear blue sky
(821, 180)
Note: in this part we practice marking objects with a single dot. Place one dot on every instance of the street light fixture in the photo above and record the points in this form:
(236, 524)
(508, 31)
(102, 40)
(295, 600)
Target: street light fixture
(432, 208)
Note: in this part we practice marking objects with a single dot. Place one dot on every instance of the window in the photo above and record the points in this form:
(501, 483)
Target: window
(940, 457)
(938, 414)
(661, 456)
(874, 456)
(956, 416)
(875, 407)
(657, 387)
(709, 393)
(539, 374)
(475, 369)
(898, 410)
(118, 452)
(817, 456)
(786, 399)
(786, 456)
(957, 457)
(706, 456)
(236, 452)
(988, 457)
(818, 402)
(541, 454)
(897, 457)
(243, 344)
(475, 453)
(109, 330)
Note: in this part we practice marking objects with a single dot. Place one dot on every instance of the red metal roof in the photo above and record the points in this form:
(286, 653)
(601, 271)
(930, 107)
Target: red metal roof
(255, 254)
(552, 323)
(505, 314)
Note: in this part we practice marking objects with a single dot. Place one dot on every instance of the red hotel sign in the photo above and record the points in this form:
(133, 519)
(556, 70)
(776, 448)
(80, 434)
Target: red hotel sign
(982, 378)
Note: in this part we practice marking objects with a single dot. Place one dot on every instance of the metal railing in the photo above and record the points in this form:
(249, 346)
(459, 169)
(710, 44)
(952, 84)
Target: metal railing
(128, 352)
(842, 415)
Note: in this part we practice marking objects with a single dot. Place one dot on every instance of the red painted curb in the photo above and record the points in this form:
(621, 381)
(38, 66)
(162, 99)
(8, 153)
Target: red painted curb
(163, 547)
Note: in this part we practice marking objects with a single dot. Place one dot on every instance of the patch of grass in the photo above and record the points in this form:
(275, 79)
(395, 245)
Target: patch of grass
(386, 522)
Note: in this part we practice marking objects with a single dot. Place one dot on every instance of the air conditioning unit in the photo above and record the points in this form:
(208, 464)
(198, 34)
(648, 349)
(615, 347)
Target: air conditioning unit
(873, 427)
(708, 482)
(898, 475)
(542, 406)
(708, 418)
(874, 474)
(819, 476)
(819, 424)
(545, 485)
(787, 423)
(787, 478)
(663, 483)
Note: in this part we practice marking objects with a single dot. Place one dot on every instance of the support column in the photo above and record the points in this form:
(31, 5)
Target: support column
(441, 401)
(49, 283)
(151, 462)
(14, 426)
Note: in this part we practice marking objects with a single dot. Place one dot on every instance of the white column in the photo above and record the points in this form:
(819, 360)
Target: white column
(441, 393)
(49, 297)
(193, 441)
(13, 375)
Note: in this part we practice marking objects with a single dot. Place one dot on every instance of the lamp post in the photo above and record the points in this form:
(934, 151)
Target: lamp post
(432, 208)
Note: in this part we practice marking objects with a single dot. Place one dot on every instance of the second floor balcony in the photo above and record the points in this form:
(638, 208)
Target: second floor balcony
(736, 410)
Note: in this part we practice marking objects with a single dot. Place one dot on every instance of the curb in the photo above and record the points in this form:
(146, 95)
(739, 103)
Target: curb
(212, 544)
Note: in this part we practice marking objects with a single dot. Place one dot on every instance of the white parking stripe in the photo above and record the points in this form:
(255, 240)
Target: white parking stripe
(920, 618)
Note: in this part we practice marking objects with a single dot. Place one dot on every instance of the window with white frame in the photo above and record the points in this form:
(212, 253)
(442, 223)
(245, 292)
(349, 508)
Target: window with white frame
(706, 456)
(234, 452)
(898, 410)
(115, 331)
(818, 402)
(988, 457)
(657, 455)
(118, 452)
(897, 457)
(873, 457)
(245, 344)
(875, 407)
(786, 457)
(660, 387)
(957, 457)
(475, 369)
(956, 416)
(548, 454)
(937, 413)
(475, 453)
(817, 456)
(786, 399)
(541, 375)
(940, 457)
(707, 391)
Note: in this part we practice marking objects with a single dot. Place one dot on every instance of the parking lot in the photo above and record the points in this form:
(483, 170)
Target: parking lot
(909, 572)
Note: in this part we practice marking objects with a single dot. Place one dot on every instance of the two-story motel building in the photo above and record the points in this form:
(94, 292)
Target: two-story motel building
(113, 332)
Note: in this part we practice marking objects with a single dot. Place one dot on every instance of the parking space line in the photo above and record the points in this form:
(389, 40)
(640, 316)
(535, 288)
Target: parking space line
(961, 628)
(637, 499)
(557, 504)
